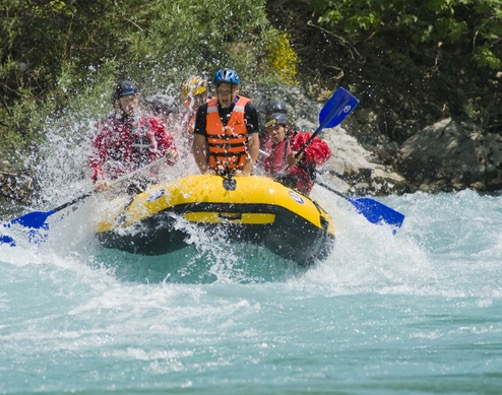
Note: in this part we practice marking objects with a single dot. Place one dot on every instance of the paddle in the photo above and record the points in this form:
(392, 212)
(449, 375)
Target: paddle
(36, 219)
(374, 211)
(340, 104)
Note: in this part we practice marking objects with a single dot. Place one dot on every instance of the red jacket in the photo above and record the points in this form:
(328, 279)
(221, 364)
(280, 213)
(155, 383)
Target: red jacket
(302, 176)
(121, 146)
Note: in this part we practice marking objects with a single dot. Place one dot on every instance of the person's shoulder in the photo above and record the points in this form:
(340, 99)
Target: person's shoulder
(302, 133)
(204, 106)
(105, 123)
(147, 115)
(300, 136)
(201, 112)
(153, 123)
(249, 107)
(149, 119)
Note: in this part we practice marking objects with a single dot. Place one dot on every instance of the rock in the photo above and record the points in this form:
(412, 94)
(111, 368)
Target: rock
(359, 167)
(452, 155)
(14, 185)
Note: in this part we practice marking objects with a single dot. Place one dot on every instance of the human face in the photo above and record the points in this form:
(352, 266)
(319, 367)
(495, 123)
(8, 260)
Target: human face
(129, 104)
(226, 94)
(277, 133)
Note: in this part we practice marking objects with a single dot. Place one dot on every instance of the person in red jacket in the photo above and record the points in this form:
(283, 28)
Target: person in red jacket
(298, 172)
(127, 139)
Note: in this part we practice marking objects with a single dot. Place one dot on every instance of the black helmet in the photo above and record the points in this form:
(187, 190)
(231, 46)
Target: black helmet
(123, 88)
(276, 105)
(276, 112)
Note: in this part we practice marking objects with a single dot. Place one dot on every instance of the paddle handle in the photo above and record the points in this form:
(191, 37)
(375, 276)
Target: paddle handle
(332, 114)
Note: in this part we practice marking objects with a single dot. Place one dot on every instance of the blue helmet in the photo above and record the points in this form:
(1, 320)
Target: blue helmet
(226, 75)
(123, 88)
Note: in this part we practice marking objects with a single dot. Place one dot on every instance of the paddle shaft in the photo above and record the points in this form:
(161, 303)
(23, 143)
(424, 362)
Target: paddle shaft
(113, 183)
(331, 189)
(37, 218)
(72, 202)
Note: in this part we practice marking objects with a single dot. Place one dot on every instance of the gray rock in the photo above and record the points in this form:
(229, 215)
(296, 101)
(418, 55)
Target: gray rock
(452, 155)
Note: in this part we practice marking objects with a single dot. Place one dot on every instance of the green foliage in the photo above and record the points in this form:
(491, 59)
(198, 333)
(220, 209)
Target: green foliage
(53, 52)
(428, 22)
(200, 35)
(484, 57)
(280, 58)
(61, 54)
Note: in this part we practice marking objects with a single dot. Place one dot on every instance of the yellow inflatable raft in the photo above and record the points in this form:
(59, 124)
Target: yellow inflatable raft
(250, 209)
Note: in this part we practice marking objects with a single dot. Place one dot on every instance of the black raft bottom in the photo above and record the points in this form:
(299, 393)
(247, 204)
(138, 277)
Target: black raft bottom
(290, 236)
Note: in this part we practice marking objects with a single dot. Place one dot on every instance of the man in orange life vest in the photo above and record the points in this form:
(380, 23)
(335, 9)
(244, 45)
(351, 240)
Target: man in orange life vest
(127, 139)
(282, 164)
(226, 135)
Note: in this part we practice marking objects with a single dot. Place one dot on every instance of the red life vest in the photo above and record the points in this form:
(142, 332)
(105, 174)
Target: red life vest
(227, 145)
(302, 176)
(277, 161)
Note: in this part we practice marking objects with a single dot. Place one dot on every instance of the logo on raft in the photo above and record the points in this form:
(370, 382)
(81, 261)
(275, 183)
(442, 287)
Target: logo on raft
(296, 198)
(156, 195)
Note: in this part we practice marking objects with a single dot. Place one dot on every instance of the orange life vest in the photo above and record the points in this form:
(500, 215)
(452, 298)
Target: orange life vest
(227, 145)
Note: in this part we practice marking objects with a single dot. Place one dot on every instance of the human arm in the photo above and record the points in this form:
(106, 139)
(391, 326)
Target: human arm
(104, 163)
(164, 144)
(199, 150)
(253, 152)
(97, 157)
(199, 144)
(317, 152)
(253, 144)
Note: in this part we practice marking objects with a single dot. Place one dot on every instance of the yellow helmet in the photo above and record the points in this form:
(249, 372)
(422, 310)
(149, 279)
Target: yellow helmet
(194, 86)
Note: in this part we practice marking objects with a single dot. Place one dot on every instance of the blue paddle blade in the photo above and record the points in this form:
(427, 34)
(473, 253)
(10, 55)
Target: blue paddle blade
(7, 240)
(34, 220)
(337, 108)
(376, 212)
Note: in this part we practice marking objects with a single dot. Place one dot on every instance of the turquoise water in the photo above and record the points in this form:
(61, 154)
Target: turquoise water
(418, 312)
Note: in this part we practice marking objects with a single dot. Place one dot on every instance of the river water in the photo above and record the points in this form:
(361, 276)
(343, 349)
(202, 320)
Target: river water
(416, 312)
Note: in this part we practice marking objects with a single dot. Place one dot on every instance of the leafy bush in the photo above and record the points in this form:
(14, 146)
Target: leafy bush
(477, 23)
(55, 52)
(281, 58)
(57, 56)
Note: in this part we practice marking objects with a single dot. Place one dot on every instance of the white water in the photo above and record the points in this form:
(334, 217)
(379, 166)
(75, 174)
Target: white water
(415, 312)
